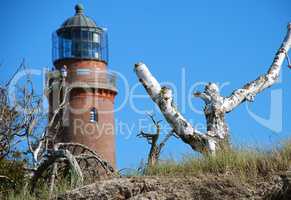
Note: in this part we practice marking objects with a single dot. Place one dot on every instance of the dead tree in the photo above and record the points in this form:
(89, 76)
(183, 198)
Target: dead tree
(14, 125)
(216, 106)
(153, 139)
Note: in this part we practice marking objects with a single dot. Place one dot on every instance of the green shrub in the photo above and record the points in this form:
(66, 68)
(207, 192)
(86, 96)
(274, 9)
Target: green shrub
(12, 176)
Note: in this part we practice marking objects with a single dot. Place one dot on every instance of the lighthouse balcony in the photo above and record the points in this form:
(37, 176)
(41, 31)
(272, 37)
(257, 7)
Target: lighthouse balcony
(82, 78)
(98, 80)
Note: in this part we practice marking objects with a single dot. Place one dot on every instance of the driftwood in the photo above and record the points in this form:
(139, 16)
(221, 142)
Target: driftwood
(54, 158)
(216, 106)
(77, 157)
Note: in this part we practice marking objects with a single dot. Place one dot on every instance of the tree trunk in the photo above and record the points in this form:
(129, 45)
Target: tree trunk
(153, 156)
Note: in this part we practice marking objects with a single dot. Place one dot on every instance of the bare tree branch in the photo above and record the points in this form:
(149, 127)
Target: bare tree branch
(206, 98)
(152, 139)
(251, 89)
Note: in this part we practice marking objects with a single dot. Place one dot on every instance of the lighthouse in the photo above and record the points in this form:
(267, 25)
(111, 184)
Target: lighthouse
(81, 83)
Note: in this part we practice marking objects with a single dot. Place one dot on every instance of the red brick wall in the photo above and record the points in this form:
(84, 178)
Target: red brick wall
(74, 63)
(100, 135)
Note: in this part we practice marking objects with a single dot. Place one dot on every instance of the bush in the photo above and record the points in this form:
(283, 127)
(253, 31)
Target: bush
(12, 176)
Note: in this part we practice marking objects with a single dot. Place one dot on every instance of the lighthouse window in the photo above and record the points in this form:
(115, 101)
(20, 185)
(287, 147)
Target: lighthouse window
(96, 38)
(76, 34)
(96, 55)
(93, 115)
(83, 71)
(85, 35)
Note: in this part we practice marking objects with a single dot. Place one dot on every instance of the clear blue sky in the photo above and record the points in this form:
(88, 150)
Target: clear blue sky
(220, 41)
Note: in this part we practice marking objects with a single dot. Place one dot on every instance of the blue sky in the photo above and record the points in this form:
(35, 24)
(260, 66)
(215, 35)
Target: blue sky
(220, 41)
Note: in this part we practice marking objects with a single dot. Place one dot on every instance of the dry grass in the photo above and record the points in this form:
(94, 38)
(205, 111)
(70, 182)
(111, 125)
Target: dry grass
(242, 163)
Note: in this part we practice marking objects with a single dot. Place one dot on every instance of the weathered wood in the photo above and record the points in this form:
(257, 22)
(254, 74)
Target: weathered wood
(54, 158)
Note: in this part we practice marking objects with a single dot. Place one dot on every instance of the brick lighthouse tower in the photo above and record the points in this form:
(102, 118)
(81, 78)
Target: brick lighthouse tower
(80, 57)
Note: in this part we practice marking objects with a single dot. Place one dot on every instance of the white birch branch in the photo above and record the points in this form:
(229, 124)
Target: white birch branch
(250, 90)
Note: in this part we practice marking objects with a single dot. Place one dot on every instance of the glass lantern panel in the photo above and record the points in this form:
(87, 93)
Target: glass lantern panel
(80, 43)
(96, 38)
(96, 54)
(85, 36)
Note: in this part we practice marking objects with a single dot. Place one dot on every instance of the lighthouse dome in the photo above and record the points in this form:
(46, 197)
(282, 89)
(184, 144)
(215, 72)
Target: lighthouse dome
(79, 19)
(80, 38)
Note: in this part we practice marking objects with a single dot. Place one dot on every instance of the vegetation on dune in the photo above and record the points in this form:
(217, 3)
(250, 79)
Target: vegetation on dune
(12, 176)
(246, 165)
(42, 192)
(241, 163)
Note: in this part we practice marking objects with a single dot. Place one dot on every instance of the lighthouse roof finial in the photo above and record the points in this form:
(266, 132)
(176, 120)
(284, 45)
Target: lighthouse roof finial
(79, 19)
(79, 8)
